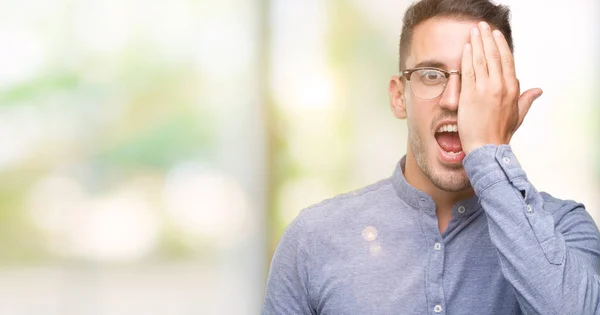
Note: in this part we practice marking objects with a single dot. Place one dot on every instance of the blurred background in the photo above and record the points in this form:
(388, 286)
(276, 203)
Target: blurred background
(152, 152)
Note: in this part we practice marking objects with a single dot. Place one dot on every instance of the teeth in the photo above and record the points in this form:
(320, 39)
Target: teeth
(448, 128)
(452, 153)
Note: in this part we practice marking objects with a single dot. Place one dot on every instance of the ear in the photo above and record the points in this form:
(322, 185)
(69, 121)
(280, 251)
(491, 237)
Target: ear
(397, 99)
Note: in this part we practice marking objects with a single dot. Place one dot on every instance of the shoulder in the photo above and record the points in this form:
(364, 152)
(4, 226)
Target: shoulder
(576, 227)
(560, 207)
(553, 204)
(349, 204)
(567, 213)
(341, 211)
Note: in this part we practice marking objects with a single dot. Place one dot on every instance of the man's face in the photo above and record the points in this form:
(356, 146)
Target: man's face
(439, 43)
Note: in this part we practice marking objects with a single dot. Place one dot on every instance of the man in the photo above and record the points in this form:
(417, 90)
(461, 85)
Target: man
(458, 228)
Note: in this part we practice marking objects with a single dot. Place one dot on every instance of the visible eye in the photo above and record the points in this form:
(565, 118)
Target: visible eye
(431, 77)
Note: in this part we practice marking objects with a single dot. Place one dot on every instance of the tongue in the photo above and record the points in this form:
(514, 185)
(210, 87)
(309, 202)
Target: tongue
(449, 141)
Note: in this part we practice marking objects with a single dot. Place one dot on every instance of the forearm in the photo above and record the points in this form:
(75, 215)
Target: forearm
(548, 275)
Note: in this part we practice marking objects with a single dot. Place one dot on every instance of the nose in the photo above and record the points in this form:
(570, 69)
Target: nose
(451, 94)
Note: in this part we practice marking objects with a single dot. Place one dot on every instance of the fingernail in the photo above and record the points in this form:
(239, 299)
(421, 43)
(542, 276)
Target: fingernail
(484, 25)
(497, 33)
(475, 31)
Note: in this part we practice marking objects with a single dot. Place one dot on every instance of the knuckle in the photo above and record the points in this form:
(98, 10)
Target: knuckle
(496, 91)
(508, 60)
(499, 86)
(495, 55)
(512, 88)
(512, 91)
(492, 90)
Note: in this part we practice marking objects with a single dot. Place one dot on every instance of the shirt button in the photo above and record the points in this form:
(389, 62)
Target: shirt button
(461, 209)
(437, 308)
(506, 160)
(529, 208)
(437, 246)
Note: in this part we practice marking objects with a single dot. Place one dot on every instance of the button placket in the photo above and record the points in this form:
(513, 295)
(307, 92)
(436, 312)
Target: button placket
(435, 263)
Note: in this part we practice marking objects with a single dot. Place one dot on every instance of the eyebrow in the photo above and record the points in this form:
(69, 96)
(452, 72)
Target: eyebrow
(431, 63)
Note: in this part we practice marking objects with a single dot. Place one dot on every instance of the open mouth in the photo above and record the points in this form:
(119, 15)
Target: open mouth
(448, 140)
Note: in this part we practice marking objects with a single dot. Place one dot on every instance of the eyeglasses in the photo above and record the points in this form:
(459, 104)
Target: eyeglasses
(428, 83)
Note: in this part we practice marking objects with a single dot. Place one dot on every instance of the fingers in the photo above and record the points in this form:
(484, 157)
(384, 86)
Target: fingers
(493, 62)
(525, 101)
(479, 60)
(468, 73)
(508, 63)
(492, 54)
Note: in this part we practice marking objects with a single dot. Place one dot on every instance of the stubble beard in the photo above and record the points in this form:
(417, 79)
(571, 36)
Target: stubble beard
(453, 179)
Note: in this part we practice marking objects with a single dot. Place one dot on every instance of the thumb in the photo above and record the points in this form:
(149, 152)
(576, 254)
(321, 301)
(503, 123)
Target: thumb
(525, 101)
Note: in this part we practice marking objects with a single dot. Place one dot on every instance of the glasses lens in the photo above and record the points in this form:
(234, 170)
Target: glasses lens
(427, 83)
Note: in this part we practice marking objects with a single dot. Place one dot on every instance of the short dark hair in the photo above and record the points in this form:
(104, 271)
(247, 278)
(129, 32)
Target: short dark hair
(497, 16)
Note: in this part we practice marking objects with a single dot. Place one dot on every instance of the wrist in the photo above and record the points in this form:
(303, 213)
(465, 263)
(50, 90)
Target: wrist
(470, 147)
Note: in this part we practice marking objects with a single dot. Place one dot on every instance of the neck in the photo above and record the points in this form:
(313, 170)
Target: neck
(443, 199)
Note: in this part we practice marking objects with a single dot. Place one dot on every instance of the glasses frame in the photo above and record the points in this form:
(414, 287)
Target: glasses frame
(408, 72)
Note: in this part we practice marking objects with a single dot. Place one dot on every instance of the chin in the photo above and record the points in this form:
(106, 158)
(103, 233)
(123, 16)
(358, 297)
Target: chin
(449, 177)
(446, 174)
(451, 183)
